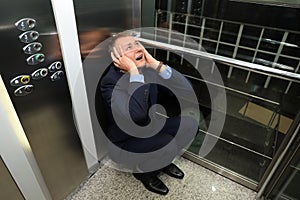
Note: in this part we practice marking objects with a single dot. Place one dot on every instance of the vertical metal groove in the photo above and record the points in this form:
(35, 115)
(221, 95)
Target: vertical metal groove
(200, 40)
(170, 33)
(236, 48)
(277, 57)
(255, 52)
(219, 37)
(290, 83)
(184, 36)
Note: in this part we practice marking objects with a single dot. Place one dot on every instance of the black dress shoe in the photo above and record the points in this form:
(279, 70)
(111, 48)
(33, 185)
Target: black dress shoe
(154, 184)
(174, 171)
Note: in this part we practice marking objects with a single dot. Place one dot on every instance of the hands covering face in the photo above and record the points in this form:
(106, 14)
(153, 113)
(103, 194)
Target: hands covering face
(151, 62)
(121, 60)
(129, 54)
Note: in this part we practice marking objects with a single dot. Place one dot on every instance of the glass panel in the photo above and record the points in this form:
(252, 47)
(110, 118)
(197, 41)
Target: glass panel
(288, 186)
(212, 28)
(275, 2)
(250, 36)
(250, 135)
(260, 108)
(229, 32)
(246, 143)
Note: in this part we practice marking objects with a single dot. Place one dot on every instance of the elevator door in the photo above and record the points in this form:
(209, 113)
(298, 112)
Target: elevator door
(9, 189)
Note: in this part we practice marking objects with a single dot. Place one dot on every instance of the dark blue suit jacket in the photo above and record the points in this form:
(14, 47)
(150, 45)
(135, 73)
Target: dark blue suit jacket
(116, 90)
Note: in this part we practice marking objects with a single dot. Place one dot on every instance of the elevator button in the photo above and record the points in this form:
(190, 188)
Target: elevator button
(55, 66)
(57, 75)
(29, 36)
(23, 90)
(20, 80)
(25, 24)
(32, 48)
(25, 80)
(40, 73)
(35, 59)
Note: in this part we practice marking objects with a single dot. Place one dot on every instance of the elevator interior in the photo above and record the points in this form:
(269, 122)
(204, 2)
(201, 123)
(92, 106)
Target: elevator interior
(247, 146)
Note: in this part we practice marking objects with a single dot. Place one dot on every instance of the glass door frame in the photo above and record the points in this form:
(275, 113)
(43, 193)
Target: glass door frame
(281, 161)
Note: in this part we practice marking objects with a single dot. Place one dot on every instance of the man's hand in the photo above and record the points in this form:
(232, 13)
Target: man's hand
(151, 62)
(123, 62)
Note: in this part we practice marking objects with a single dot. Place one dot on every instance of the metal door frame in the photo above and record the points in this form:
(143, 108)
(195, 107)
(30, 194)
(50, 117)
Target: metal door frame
(17, 153)
(67, 31)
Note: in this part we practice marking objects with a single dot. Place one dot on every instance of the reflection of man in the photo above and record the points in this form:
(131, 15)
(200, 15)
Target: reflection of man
(88, 41)
(132, 78)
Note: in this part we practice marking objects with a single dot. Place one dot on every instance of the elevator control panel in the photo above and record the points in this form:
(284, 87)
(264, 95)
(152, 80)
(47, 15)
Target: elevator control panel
(23, 90)
(20, 80)
(35, 58)
(32, 48)
(29, 36)
(57, 75)
(25, 24)
(39, 73)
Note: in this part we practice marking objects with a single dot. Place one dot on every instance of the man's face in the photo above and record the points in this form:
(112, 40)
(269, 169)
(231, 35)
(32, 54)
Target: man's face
(131, 48)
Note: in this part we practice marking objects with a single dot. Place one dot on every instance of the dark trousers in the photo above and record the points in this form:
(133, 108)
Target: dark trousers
(164, 137)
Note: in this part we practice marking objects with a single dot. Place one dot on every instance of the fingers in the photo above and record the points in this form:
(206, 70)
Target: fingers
(113, 57)
(148, 56)
(116, 53)
(120, 60)
(122, 53)
(115, 60)
(143, 48)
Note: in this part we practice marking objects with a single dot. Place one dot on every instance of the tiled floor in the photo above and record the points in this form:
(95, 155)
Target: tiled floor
(198, 183)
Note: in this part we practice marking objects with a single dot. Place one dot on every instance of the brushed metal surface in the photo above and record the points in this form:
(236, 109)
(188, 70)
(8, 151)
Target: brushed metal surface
(9, 189)
(45, 113)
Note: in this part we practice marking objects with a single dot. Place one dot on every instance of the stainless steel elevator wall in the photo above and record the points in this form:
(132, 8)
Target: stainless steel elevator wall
(9, 189)
(45, 113)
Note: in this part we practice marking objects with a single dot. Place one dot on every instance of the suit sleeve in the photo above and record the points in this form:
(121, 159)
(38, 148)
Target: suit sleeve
(117, 95)
(175, 81)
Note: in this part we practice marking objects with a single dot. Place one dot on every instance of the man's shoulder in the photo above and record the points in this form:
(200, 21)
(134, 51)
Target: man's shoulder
(111, 75)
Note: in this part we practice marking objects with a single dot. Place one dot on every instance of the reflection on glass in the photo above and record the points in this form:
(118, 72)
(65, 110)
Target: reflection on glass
(246, 145)
(287, 186)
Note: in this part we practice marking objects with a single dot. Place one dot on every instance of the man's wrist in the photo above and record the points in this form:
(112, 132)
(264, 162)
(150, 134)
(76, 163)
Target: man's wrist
(134, 71)
(165, 72)
(159, 67)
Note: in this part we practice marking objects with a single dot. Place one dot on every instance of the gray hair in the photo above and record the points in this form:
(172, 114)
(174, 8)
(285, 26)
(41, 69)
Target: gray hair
(115, 37)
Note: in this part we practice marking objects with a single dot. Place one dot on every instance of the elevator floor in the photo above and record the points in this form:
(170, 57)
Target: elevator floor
(199, 183)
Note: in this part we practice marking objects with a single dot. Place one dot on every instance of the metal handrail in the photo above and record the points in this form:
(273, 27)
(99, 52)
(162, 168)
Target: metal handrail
(281, 74)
